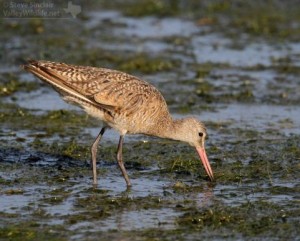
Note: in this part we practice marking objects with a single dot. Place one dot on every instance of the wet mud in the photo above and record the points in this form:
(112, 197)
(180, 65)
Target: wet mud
(230, 64)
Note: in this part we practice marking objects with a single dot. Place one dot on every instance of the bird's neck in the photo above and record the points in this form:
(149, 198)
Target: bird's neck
(171, 129)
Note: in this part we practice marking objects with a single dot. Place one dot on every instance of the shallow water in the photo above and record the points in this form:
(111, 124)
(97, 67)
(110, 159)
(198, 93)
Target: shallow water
(246, 90)
(258, 117)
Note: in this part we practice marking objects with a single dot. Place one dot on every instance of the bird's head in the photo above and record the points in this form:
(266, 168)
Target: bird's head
(193, 132)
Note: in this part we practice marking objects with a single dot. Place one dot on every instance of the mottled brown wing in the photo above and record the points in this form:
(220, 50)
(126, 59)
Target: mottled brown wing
(114, 90)
(46, 71)
(128, 96)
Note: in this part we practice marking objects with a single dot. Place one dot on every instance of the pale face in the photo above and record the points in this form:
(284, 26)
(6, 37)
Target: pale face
(195, 135)
(194, 132)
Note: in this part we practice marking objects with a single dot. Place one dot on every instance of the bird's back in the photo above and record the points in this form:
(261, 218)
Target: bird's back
(124, 102)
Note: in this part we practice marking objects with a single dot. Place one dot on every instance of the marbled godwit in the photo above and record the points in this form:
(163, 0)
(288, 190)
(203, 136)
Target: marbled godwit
(124, 102)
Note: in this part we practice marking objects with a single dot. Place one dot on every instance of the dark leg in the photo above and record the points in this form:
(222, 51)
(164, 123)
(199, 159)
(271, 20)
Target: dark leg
(94, 154)
(120, 161)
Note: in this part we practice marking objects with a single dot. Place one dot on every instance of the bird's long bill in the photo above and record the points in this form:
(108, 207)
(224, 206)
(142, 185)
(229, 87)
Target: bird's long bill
(205, 162)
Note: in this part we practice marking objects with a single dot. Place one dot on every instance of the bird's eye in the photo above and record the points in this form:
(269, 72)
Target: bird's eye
(200, 134)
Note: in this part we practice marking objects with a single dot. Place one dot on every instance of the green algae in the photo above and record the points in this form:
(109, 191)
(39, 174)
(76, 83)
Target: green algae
(268, 19)
(264, 217)
(50, 123)
(145, 65)
(11, 84)
(181, 164)
(253, 219)
(31, 231)
(151, 7)
(45, 155)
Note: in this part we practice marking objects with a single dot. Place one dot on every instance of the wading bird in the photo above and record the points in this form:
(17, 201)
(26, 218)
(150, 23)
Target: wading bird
(124, 102)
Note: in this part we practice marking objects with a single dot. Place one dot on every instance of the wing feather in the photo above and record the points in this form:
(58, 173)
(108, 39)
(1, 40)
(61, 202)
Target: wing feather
(111, 90)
